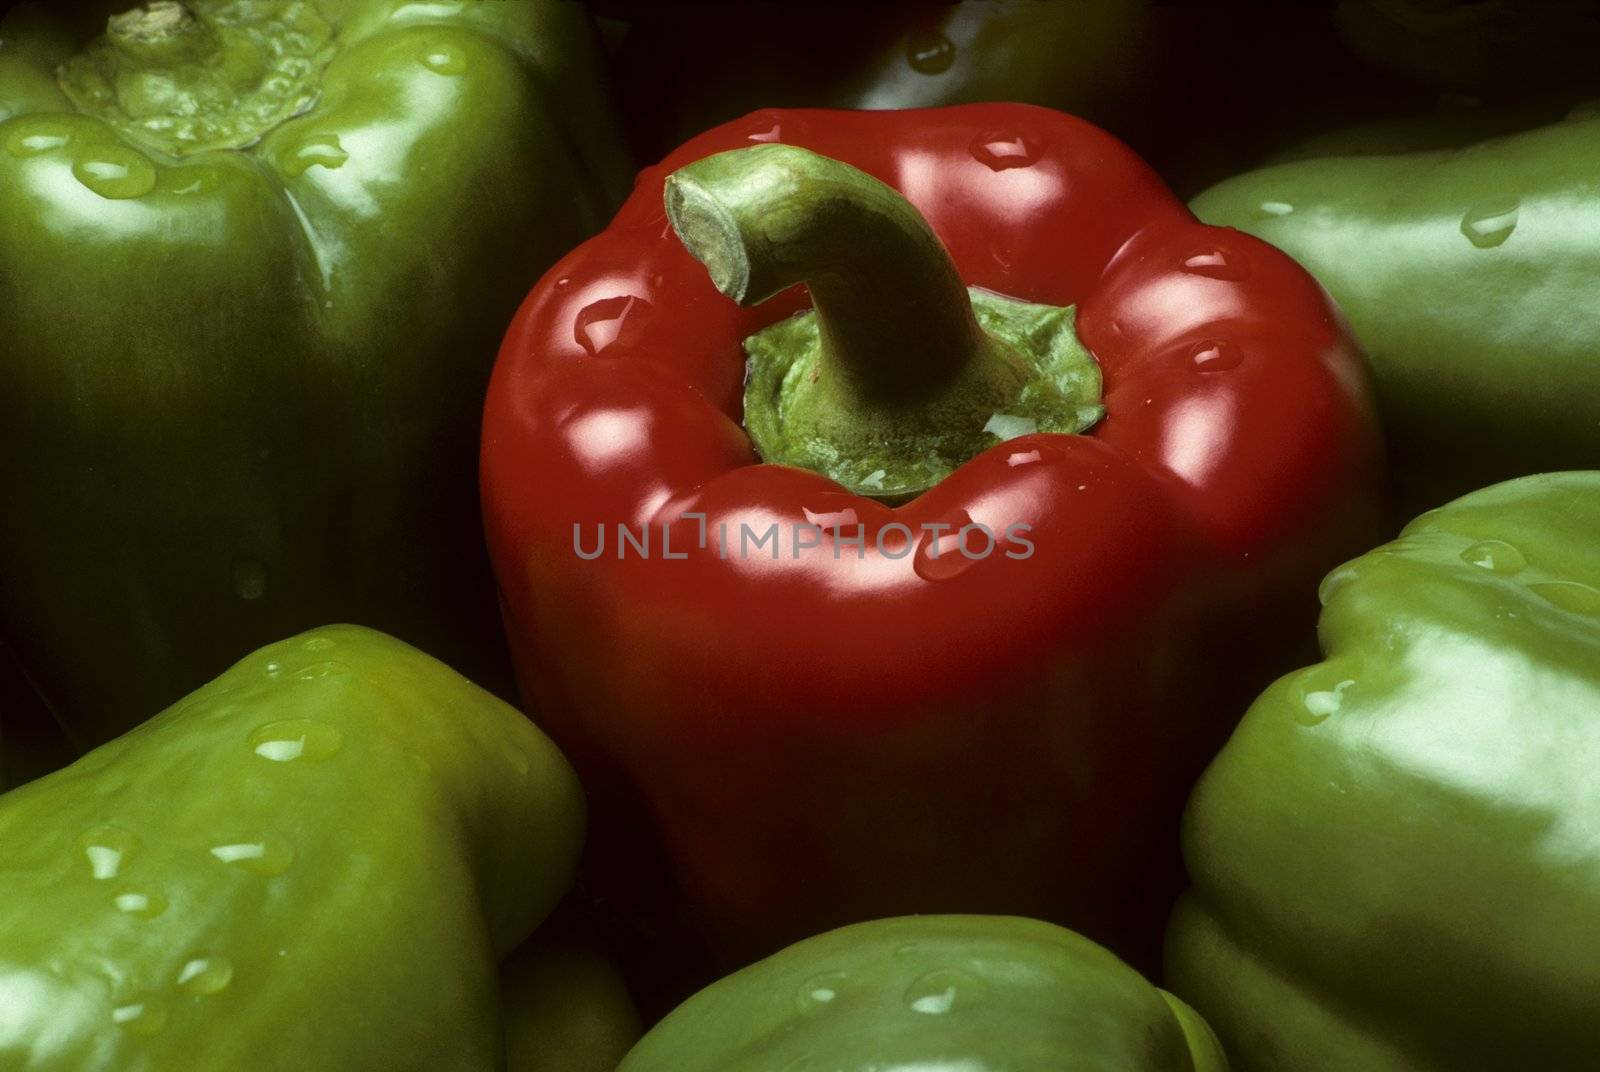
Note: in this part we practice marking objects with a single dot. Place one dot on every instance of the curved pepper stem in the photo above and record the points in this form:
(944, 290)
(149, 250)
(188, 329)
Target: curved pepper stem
(893, 312)
(891, 381)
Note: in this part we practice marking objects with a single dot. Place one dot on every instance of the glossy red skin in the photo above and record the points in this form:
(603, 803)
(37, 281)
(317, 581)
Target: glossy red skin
(818, 740)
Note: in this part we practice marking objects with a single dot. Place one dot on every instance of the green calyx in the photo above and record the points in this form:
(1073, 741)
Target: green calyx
(899, 374)
(182, 78)
(1037, 378)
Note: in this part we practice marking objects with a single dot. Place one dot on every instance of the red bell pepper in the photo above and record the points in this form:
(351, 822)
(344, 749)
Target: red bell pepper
(861, 727)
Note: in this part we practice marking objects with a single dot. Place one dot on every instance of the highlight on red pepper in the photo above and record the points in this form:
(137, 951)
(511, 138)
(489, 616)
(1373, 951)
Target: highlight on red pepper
(913, 548)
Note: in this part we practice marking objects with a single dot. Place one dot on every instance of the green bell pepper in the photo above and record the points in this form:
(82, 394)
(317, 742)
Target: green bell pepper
(1394, 859)
(1081, 56)
(313, 862)
(1497, 49)
(1452, 124)
(1468, 277)
(255, 260)
(967, 993)
(566, 1009)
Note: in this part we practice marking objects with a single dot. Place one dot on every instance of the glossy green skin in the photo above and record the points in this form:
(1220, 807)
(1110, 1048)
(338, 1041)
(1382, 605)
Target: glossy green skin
(1451, 125)
(1495, 48)
(967, 993)
(1402, 872)
(422, 832)
(566, 1010)
(247, 401)
(1079, 56)
(1486, 351)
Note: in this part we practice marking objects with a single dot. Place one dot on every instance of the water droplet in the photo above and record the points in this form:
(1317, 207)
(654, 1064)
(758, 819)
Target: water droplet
(600, 325)
(32, 135)
(327, 668)
(318, 643)
(316, 150)
(765, 128)
(1496, 555)
(1333, 582)
(140, 1016)
(930, 52)
(115, 173)
(950, 552)
(267, 857)
(107, 849)
(830, 520)
(296, 738)
(1489, 223)
(1568, 595)
(274, 668)
(190, 181)
(1217, 264)
(1006, 426)
(1001, 152)
(205, 975)
(1320, 703)
(139, 903)
(1276, 208)
(1215, 357)
(444, 59)
(250, 580)
(944, 991)
(819, 991)
(1023, 457)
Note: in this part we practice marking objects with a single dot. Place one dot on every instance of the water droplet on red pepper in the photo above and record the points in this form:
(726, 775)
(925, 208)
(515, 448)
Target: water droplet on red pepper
(831, 520)
(1001, 152)
(601, 325)
(1215, 357)
(1217, 264)
(949, 552)
(765, 127)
